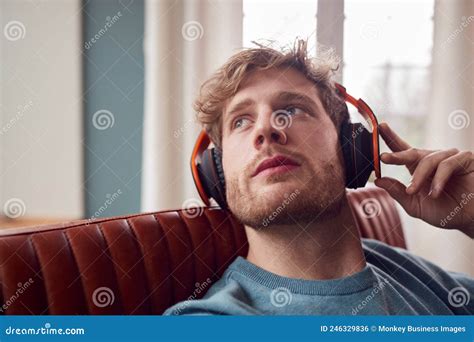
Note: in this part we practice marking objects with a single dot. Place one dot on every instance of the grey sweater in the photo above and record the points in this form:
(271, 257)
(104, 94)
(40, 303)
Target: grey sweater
(394, 282)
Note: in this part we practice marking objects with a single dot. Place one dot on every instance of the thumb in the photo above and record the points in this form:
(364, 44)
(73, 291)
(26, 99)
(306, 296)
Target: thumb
(397, 190)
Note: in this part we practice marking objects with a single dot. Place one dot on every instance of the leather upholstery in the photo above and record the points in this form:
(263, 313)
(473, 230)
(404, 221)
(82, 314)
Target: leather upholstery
(147, 262)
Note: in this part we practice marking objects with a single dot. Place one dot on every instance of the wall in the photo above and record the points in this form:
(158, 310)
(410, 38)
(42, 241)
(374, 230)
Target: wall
(41, 166)
(113, 100)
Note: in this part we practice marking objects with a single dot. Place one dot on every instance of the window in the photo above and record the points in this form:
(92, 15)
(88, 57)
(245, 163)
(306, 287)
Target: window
(387, 59)
(279, 21)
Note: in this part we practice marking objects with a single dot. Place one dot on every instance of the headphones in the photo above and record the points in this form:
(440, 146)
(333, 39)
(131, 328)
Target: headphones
(360, 150)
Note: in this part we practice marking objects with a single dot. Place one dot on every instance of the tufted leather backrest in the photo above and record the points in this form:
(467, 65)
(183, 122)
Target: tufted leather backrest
(144, 263)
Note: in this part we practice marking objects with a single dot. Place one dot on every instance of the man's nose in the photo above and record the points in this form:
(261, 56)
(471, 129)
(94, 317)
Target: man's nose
(267, 131)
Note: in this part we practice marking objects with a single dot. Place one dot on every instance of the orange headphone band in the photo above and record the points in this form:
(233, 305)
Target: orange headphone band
(202, 143)
(368, 115)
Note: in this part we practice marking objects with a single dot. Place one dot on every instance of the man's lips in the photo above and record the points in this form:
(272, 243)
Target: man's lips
(275, 162)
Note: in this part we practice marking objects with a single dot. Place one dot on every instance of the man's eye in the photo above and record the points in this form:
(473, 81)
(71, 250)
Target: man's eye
(238, 123)
(293, 110)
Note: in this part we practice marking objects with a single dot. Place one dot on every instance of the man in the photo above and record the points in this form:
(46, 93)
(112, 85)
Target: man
(309, 259)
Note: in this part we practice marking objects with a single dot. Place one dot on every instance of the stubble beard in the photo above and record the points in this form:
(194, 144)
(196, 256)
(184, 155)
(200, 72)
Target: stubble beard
(317, 199)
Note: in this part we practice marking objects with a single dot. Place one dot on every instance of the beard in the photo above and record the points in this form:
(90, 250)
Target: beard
(317, 196)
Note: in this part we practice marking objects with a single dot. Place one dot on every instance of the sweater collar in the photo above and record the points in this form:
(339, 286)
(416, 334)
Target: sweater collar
(341, 286)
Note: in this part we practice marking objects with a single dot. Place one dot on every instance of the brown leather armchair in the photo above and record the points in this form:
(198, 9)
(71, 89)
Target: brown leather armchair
(143, 263)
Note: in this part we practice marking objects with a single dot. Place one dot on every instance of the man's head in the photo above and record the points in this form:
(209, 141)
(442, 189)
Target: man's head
(264, 103)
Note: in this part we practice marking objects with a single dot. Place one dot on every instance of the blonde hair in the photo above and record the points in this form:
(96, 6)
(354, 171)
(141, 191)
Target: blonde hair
(225, 82)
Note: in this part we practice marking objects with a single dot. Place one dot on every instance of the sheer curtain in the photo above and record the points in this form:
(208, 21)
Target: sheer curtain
(185, 41)
(449, 124)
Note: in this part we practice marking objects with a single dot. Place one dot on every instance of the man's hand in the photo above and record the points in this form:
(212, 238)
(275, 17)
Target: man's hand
(441, 191)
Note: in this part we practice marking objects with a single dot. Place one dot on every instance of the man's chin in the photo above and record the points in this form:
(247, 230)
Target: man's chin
(287, 206)
(276, 186)
(286, 198)
(276, 190)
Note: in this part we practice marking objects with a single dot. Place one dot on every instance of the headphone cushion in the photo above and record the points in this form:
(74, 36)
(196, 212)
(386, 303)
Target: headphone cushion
(356, 145)
(211, 178)
(217, 157)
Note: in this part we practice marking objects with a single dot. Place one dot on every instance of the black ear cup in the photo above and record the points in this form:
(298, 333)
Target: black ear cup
(211, 174)
(217, 155)
(357, 151)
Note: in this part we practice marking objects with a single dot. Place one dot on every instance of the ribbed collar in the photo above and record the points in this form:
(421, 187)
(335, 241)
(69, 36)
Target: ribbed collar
(341, 286)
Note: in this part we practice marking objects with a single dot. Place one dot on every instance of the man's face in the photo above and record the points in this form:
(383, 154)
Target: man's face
(277, 112)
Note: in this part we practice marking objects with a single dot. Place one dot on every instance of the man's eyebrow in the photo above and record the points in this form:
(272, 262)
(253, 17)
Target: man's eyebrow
(239, 106)
(288, 96)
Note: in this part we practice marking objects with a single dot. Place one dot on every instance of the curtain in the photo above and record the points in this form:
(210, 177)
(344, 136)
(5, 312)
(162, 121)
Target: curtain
(185, 41)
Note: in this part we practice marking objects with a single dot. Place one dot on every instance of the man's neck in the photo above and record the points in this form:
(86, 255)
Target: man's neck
(322, 250)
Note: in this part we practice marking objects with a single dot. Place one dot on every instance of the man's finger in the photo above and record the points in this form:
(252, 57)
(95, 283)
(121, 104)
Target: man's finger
(410, 158)
(398, 191)
(460, 163)
(427, 167)
(393, 141)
